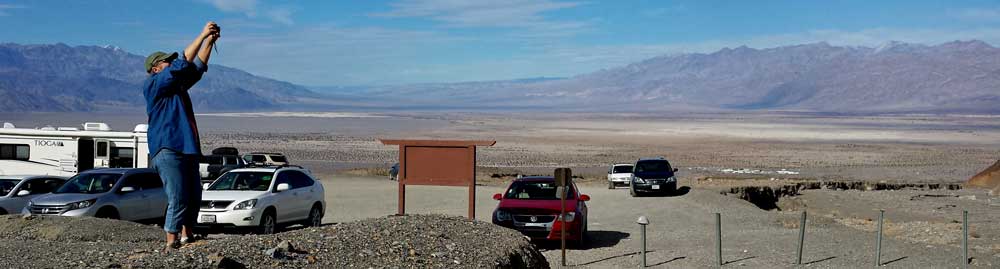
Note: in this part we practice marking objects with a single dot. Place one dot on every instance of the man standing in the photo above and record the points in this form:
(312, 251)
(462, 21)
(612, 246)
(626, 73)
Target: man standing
(173, 131)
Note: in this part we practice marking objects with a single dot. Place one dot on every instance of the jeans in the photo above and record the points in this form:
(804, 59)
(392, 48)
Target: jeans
(182, 183)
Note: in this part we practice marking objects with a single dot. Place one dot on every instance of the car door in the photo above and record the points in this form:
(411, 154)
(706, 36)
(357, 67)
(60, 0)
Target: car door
(155, 196)
(131, 205)
(304, 193)
(580, 204)
(285, 202)
(35, 187)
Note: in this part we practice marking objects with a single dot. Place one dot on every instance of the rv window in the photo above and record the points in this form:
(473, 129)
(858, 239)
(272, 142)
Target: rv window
(14, 152)
(121, 158)
(102, 149)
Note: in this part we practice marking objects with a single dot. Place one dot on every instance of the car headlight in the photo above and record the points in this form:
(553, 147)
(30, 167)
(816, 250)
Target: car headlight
(502, 215)
(639, 180)
(81, 204)
(672, 179)
(570, 216)
(248, 204)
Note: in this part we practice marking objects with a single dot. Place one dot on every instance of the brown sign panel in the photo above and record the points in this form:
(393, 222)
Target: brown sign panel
(441, 166)
(437, 162)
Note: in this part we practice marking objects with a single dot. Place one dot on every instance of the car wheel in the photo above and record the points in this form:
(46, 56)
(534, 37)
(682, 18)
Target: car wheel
(582, 242)
(268, 223)
(631, 191)
(315, 217)
(107, 213)
(3, 212)
(611, 184)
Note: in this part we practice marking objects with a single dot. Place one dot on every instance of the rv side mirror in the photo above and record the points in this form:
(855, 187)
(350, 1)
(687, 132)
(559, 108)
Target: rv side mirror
(128, 189)
(205, 186)
(23, 193)
(282, 187)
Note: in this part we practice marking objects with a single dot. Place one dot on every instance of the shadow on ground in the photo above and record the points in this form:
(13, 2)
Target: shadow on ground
(250, 230)
(595, 239)
(681, 191)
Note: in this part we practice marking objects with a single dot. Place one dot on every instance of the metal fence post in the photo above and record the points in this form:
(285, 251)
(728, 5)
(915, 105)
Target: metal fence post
(802, 237)
(965, 238)
(718, 237)
(643, 221)
(878, 242)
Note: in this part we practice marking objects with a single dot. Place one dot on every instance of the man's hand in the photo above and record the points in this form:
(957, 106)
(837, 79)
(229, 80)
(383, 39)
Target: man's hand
(214, 34)
(210, 29)
(191, 50)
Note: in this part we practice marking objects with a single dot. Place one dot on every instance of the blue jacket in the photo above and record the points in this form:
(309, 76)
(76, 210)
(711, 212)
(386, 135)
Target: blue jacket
(168, 106)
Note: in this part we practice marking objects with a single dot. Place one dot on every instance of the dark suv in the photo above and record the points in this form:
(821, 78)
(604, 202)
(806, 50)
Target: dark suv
(213, 166)
(653, 176)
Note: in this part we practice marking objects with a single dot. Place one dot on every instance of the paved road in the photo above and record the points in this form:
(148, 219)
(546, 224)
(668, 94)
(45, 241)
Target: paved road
(681, 233)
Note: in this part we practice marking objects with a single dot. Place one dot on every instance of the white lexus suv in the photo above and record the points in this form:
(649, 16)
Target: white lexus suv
(263, 198)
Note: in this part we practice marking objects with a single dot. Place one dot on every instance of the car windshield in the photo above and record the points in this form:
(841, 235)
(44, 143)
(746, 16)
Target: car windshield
(243, 181)
(7, 185)
(533, 190)
(212, 160)
(652, 166)
(622, 169)
(89, 183)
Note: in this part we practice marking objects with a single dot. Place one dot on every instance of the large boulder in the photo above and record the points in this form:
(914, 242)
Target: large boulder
(415, 241)
(989, 178)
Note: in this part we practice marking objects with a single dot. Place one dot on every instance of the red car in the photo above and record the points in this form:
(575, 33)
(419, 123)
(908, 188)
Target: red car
(531, 206)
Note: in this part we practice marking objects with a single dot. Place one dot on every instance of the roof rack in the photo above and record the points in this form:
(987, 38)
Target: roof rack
(271, 153)
(259, 165)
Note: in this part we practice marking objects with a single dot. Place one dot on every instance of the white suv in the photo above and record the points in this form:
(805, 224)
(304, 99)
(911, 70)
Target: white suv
(262, 198)
(266, 158)
(619, 174)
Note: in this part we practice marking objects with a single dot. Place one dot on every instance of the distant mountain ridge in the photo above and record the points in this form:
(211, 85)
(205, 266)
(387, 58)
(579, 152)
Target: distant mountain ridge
(92, 78)
(960, 76)
(954, 77)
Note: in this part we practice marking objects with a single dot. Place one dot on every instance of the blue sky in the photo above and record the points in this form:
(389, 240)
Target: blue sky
(417, 41)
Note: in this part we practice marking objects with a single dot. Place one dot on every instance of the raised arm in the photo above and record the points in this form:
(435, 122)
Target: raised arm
(206, 50)
(192, 49)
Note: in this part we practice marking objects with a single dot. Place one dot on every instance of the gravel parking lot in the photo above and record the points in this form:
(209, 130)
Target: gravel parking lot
(681, 233)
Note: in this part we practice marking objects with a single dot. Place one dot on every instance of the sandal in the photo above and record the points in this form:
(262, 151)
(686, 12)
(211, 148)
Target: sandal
(172, 246)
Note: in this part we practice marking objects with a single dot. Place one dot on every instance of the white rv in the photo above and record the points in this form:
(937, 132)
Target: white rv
(65, 151)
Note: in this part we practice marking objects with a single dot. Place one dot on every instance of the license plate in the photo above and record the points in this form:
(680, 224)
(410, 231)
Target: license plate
(656, 187)
(207, 219)
(534, 224)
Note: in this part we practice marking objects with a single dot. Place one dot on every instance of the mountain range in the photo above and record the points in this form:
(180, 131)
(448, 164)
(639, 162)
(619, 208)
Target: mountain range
(954, 77)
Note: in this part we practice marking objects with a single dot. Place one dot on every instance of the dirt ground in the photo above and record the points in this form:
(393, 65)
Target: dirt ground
(840, 227)
(714, 153)
(893, 149)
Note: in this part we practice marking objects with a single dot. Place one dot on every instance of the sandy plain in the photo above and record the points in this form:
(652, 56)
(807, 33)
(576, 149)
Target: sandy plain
(714, 152)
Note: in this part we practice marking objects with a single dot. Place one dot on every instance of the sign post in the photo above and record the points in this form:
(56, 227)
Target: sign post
(564, 180)
(437, 163)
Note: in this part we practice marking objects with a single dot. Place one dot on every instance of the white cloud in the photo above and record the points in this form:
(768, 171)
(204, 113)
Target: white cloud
(333, 55)
(281, 15)
(253, 8)
(505, 14)
(976, 14)
(248, 7)
(5, 9)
